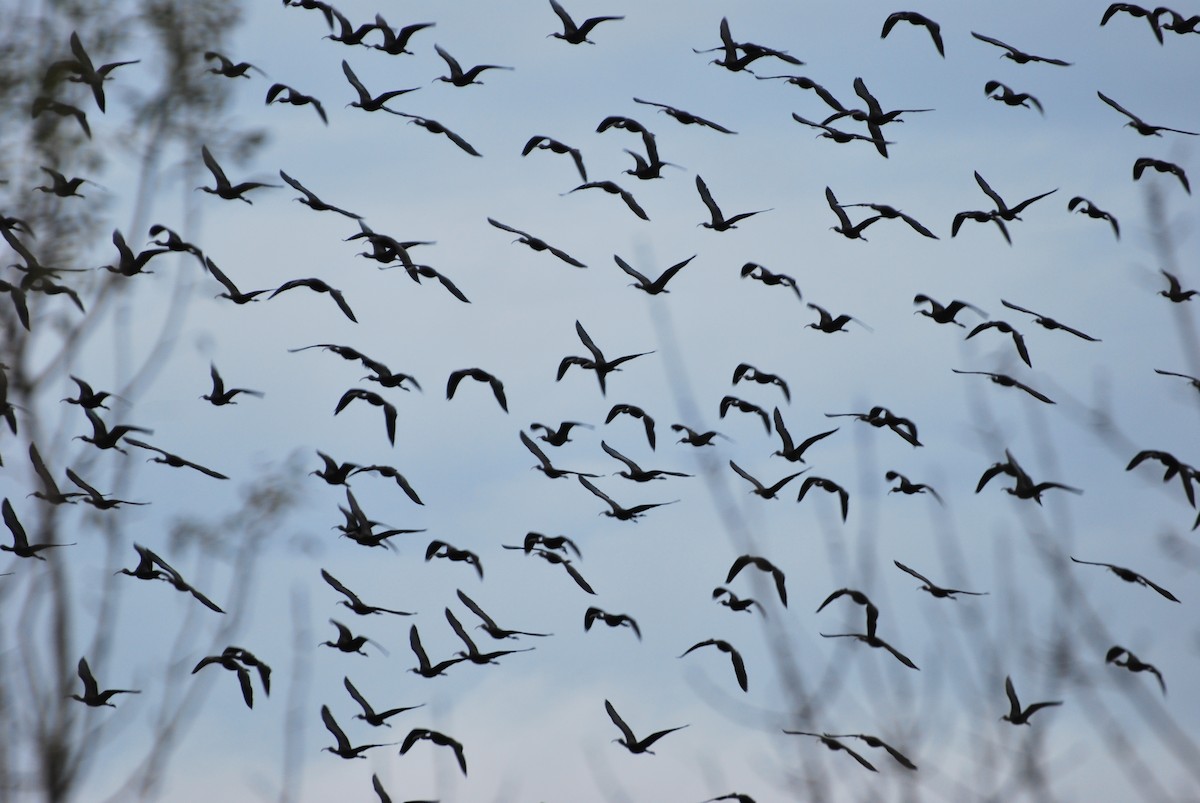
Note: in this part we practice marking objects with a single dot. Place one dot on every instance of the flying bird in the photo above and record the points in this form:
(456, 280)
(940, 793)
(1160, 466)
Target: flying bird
(1086, 207)
(1018, 56)
(760, 489)
(1175, 291)
(557, 436)
(224, 189)
(790, 451)
(1010, 97)
(935, 590)
(943, 313)
(81, 70)
(440, 549)
(537, 244)
(1130, 576)
(719, 221)
(460, 77)
(50, 491)
(753, 270)
(227, 68)
(875, 641)
(1003, 210)
(92, 695)
(829, 323)
(479, 375)
(612, 188)
(544, 143)
(628, 740)
(312, 201)
(907, 487)
(424, 668)
(21, 546)
(875, 741)
(546, 466)
(764, 565)
(1137, 11)
(696, 438)
(576, 34)
(1017, 715)
(174, 461)
(473, 654)
(343, 749)
(831, 487)
(105, 437)
(44, 104)
(610, 619)
(633, 412)
(739, 666)
(489, 625)
(833, 744)
(352, 600)
(1133, 664)
(735, 603)
(238, 660)
(597, 362)
(859, 598)
(282, 93)
(935, 30)
(1047, 322)
(1162, 167)
(1004, 380)
(434, 127)
(219, 395)
(687, 118)
(373, 398)
(1006, 328)
(635, 472)
(892, 213)
(1138, 124)
(617, 511)
(845, 227)
(366, 101)
(369, 714)
(734, 403)
(442, 740)
(65, 187)
(96, 499)
(751, 374)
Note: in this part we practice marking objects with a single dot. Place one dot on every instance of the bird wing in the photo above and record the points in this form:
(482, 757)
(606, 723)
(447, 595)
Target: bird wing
(742, 473)
(843, 218)
(20, 539)
(475, 609)
(500, 225)
(706, 196)
(577, 577)
(331, 725)
(211, 163)
(987, 189)
(612, 712)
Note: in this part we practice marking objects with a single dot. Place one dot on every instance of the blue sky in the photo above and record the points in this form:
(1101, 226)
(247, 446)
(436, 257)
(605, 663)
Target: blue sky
(534, 727)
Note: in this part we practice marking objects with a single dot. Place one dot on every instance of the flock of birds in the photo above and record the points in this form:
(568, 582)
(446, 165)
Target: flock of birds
(31, 284)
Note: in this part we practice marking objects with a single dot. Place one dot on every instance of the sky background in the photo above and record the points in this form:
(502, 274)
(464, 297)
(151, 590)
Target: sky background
(534, 727)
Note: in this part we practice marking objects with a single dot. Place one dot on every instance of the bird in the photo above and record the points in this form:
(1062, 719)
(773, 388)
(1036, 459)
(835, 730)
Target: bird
(50, 491)
(635, 472)
(753, 270)
(1003, 210)
(875, 741)
(235, 659)
(1138, 124)
(1088, 208)
(96, 499)
(92, 695)
(936, 591)
(807, 83)
(892, 213)
(1137, 11)
(227, 68)
(750, 52)
(859, 598)
(442, 740)
(943, 313)
(751, 374)
(719, 221)
(473, 653)
(1016, 55)
(559, 543)
(980, 216)
(170, 575)
(537, 244)
(489, 625)
(219, 395)
(224, 189)
(434, 127)
(544, 143)
(634, 412)
(826, 485)
(546, 466)
(874, 116)
(1004, 380)
(739, 666)
(696, 438)
(556, 559)
(616, 511)
(366, 101)
(908, 487)
(129, 263)
(1130, 576)
(45, 104)
(282, 93)
(1173, 465)
(391, 473)
(1133, 664)
(741, 405)
(1162, 167)
(62, 186)
(829, 324)
(764, 565)
(21, 546)
(612, 188)
(458, 76)
(1047, 322)
(175, 461)
(844, 227)
(479, 375)
(231, 290)
(343, 748)
(833, 744)
(395, 42)
(352, 600)
(1024, 486)
(1005, 327)
(841, 137)
(628, 740)
(82, 71)
(347, 33)
(424, 668)
(687, 118)
(105, 437)
(346, 640)
(1017, 715)
(369, 714)
(603, 367)
(312, 201)
(440, 549)
(576, 34)
(880, 416)
(373, 398)
(317, 286)
(557, 436)
(1175, 291)
(935, 30)
(1010, 97)
(1195, 381)
(760, 489)
(793, 452)
(875, 641)
(735, 603)
(88, 398)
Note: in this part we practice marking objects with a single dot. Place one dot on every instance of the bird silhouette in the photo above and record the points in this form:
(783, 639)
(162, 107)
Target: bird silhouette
(347, 33)
(352, 600)
(826, 485)
(1138, 124)
(442, 740)
(81, 70)
(980, 216)
(1133, 664)
(391, 473)
(1047, 322)
(935, 30)
(943, 313)
(129, 263)
(875, 741)
(739, 666)
(1173, 467)
(282, 93)
(317, 286)
(1004, 380)
(174, 461)
(557, 436)
(892, 213)
(833, 744)
(231, 290)
(1017, 715)
(373, 398)
(633, 412)
(576, 34)
(460, 77)
(908, 487)
(753, 270)
(839, 136)
(807, 83)
(64, 187)
(21, 546)
(763, 565)
(312, 201)
(1195, 381)
(628, 740)
(1003, 210)
(687, 118)
(105, 437)
(829, 324)
(96, 499)
(1018, 56)
(346, 640)
(1175, 291)
(859, 598)
(741, 405)
(935, 590)
(92, 695)
(790, 451)
(760, 489)
(1137, 11)
(489, 625)
(696, 438)
(546, 466)
(751, 374)
(238, 660)
(555, 559)
(880, 416)
(1130, 576)
(395, 42)
(473, 654)
(1010, 97)
(617, 511)
(342, 749)
(719, 221)
(874, 116)
(544, 143)
(46, 104)
(434, 127)
(50, 491)
(1005, 327)
(537, 244)
(1086, 207)
(878, 643)
(88, 398)
(424, 668)
(440, 549)
(369, 714)
(612, 188)
(224, 189)
(735, 603)
(219, 395)
(635, 472)
(227, 68)
(597, 362)
(479, 375)
(366, 101)
(1162, 167)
